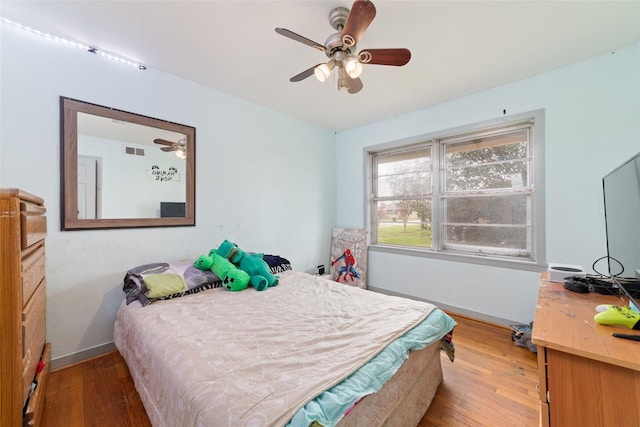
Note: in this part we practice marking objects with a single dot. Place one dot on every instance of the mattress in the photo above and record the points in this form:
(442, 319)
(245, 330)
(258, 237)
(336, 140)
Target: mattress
(220, 358)
(405, 398)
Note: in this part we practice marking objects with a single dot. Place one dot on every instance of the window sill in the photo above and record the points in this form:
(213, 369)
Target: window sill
(469, 259)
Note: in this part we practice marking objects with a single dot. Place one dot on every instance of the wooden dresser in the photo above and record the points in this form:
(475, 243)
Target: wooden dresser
(587, 377)
(23, 227)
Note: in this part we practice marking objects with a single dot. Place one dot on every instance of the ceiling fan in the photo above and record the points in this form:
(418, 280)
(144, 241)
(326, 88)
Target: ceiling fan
(340, 47)
(179, 147)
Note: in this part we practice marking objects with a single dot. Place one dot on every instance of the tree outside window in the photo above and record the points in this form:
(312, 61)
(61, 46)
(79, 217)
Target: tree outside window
(482, 203)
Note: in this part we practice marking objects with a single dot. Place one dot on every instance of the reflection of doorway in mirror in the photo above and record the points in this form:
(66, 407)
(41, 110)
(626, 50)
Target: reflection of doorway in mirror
(89, 194)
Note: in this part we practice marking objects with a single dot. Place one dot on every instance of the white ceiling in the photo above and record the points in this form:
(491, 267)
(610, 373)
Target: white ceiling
(458, 47)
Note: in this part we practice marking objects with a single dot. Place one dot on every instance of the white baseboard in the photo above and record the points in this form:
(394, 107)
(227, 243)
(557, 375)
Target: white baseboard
(464, 312)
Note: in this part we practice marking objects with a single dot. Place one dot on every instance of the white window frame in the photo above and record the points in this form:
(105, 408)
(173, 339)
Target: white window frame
(535, 121)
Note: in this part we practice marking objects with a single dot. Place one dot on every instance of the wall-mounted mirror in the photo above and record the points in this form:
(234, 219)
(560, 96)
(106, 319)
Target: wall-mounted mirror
(123, 170)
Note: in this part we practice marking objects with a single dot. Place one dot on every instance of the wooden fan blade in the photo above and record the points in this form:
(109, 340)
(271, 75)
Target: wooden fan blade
(163, 142)
(301, 39)
(397, 57)
(167, 149)
(355, 85)
(303, 75)
(361, 15)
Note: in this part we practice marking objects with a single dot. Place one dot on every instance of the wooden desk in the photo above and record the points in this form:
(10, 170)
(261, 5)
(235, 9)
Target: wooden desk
(587, 377)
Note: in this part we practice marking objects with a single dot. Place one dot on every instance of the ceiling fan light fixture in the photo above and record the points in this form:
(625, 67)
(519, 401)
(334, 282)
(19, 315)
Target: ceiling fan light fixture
(352, 66)
(323, 71)
(340, 48)
(343, 79)
(181, 153)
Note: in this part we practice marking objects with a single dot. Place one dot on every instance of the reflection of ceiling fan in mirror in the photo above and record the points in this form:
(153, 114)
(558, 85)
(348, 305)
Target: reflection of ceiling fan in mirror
(340, 47)
(179, 147)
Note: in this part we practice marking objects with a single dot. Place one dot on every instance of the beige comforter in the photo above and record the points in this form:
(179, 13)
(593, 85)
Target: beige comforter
(249, 358)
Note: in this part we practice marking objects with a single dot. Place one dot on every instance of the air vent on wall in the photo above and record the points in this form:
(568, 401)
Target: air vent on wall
(132, 151)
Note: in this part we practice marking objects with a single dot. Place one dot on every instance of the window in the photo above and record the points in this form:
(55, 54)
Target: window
(471, 193)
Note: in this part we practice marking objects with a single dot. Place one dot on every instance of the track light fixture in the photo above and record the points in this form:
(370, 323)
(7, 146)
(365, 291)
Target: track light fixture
(75, 44)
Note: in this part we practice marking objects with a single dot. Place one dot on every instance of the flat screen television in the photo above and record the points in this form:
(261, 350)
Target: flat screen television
(621, 190)
(172, 209)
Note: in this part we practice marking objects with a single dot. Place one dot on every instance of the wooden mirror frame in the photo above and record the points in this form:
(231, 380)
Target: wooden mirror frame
(69, 109)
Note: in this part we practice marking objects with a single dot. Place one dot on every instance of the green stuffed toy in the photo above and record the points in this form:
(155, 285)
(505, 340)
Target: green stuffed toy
(258, 270)
(233, 278)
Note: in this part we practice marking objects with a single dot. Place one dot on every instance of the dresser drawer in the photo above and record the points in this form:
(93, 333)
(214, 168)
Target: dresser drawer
(33, 223)
(32, 272)
(23, 228)
(33, 336)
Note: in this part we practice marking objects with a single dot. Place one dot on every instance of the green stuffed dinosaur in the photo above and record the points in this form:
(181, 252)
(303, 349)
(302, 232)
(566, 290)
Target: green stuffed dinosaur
(258, 270)
(233, 278)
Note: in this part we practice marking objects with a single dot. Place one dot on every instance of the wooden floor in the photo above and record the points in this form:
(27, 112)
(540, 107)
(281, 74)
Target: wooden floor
(491, 383)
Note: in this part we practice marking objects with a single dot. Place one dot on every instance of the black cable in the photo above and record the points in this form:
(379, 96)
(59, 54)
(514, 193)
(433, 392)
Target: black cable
(604, 284)
(593, 267)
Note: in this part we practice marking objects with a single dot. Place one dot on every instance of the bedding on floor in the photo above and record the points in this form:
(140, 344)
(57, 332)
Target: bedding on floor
(220, 358)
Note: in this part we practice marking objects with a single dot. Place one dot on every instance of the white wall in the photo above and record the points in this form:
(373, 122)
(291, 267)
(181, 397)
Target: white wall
(263, 179)
(269, 182)
(592, 120)
(130, 189)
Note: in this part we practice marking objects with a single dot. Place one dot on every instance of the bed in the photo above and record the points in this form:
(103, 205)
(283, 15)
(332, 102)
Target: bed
(307, 352)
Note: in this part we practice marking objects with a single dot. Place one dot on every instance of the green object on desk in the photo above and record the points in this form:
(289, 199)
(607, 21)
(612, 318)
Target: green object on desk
(616, 315)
